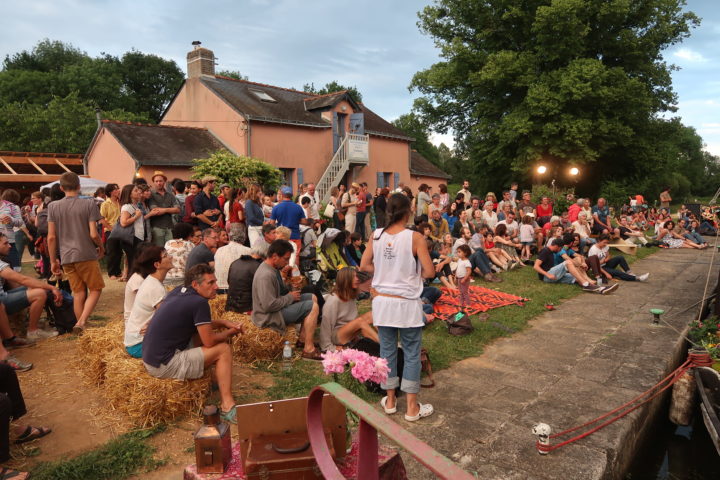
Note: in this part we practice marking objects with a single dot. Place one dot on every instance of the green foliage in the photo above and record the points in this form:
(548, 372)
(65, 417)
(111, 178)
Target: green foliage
(126, 455)
(232, 74)
(237, 170)
(616, 193)
(559, 198)
(331, 87)
(566, 81)
(704, 330)
(413, 127)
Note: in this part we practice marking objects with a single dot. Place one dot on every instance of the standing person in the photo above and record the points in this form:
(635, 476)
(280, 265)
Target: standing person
(444, 196)
(288, 214)
(465, 191)
(189, 206)
(312, 194)
(236, 213)
(398, 258)
(110, 212)
(11, 219)
(348, 202)
(369, 199)
(163, 205)
(131, 214)
(254, 216)
(464, 275)
(665, 198)
(335, 202)
(178, 187)
(423, 202)
(72, 231)
(360, 210)
(206, 204)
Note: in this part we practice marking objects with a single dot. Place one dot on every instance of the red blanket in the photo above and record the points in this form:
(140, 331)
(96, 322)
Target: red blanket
(481, 300)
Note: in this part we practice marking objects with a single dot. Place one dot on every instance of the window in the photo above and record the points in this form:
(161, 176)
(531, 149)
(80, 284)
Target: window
(263, 96)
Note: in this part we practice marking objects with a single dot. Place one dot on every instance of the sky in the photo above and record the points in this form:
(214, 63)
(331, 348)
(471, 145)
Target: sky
(373, 45)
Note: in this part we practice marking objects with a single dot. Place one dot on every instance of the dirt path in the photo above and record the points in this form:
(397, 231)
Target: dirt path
(57, 397)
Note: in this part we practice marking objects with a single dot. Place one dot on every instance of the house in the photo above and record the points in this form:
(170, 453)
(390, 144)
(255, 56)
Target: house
(325, 139)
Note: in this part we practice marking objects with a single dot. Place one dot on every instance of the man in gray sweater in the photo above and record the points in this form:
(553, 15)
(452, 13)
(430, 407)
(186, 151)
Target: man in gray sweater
(275, 306)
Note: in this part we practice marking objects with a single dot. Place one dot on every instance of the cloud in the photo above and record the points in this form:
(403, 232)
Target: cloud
(446, 138)
(689, 55)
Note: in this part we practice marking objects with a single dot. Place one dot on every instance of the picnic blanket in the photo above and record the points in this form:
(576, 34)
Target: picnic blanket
(481, 300)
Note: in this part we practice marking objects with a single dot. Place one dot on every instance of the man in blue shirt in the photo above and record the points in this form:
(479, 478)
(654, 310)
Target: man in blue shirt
(601, 214)
(182, 340)
(206, 205)
(288, 214)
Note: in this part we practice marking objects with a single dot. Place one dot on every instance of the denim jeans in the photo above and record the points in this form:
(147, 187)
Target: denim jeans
(13, 257)
(695, 237)
(360, 223)
(411, 340)
(480, 260)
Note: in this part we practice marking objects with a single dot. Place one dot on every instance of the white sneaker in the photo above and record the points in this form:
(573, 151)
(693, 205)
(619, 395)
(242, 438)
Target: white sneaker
(40, 334)
(643, 277)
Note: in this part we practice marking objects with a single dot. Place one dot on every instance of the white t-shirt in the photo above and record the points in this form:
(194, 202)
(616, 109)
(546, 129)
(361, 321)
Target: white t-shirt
(138, 224)
(599, 252)
(150, 294)
(512, 227)
(463, 268)
(224, 257)
(131, 289)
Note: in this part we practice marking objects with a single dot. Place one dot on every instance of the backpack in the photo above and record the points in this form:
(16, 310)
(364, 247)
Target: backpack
(460, 325)
(62, 316)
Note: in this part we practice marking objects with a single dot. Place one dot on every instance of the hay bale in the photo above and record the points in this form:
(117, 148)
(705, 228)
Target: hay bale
(217, 306)
(257, 343)
(95, 344)
(126, 385)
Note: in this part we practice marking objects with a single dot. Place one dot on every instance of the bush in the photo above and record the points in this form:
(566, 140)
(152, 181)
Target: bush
(558, 198)
(238, 171)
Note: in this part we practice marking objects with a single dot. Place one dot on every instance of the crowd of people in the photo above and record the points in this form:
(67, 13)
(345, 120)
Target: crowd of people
(177, 245)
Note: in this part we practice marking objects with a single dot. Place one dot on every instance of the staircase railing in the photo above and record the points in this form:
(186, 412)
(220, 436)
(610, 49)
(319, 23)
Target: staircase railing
(371, 422)
(339, 164)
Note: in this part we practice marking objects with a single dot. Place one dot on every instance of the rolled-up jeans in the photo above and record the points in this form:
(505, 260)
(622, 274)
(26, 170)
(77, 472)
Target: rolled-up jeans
(480, 260)
(411, 340)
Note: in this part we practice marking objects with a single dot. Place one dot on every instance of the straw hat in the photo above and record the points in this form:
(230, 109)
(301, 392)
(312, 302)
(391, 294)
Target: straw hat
(158, 173)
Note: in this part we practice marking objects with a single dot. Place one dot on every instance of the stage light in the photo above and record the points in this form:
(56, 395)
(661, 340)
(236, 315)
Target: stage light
(541, 169)
(574, 171)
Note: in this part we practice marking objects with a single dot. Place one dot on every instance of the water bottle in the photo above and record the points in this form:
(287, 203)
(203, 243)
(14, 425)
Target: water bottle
(287, 356)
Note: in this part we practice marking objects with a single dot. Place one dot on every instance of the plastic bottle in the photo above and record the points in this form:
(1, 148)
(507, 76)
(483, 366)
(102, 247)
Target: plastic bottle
(287, 356)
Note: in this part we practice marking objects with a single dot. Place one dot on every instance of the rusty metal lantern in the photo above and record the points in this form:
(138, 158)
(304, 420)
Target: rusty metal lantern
(213, 448)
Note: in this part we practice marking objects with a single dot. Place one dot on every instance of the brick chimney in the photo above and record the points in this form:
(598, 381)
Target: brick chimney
(200, 61)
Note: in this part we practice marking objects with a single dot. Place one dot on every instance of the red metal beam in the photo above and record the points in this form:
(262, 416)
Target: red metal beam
(372, 422)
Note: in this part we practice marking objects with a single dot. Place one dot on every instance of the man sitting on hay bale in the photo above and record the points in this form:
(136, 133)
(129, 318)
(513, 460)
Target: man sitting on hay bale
(180, 341)
(275, 306)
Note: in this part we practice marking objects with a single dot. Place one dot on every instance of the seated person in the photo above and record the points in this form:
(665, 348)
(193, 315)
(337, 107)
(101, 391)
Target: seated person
(583, 228)
(268, 235)
(204, 252)
(341, 323)
(283, 233)
(439, 227)
(24, 292)
(12, 406)
(693, 236)
(178, 249)
(134, 282)
(442, 267)
(152, 264)
(330, 251)
(565, 271)
(627, 232)
(240, 279)
(11, 341)
(275, 306)
(603, 265)
(226, 255)
(667, 235)
(181, 341)
(354, 251)
(308, 237)
(497, 255)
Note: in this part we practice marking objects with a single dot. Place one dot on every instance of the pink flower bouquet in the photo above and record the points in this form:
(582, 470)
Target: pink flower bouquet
(352, 368)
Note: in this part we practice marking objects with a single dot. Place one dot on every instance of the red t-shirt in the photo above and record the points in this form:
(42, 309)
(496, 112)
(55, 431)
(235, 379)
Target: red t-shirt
(235, 208)
(361, 198)
(544, 210)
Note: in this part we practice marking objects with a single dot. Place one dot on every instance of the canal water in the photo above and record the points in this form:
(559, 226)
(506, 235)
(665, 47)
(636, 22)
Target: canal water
(677, 453)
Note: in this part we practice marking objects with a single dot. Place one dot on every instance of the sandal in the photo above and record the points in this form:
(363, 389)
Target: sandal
(389, 411)
(314, 355)
(78, 330)
(230, 416)
(8, 473)
(425, 411)
(32, 433)
(301, 345)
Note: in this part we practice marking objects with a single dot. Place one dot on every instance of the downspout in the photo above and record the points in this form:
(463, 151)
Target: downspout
(249, 131)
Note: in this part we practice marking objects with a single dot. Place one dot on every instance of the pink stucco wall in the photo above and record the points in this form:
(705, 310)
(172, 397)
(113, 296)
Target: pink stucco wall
(196, 106)
(433, 182)
(108, 161)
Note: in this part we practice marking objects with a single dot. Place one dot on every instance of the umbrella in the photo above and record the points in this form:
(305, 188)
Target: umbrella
(87, 185)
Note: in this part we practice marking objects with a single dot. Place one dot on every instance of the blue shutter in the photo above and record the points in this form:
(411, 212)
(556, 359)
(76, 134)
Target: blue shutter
(380, 179)
(357, 123)
(396, 179)
(300, 176)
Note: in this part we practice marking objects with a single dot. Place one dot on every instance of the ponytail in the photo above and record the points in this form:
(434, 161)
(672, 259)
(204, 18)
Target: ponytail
(398, 210)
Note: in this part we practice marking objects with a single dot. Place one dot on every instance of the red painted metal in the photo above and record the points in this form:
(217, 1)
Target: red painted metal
(372, 422)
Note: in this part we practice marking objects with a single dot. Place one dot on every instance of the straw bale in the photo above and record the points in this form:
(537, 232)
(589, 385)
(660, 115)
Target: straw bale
(217, 306)
(126, 385)
(257, 343)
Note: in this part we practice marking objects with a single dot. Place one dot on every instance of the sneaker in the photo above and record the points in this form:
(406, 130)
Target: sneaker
(496, 279)
(16, 342)
(592, 288)
(610, 288)
(643, 277)
(40, 334)
(17, 364)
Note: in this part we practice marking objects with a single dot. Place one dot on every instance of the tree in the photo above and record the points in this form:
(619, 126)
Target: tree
(232, 74)
(149, 83)
(561, 81)
(331, 87)
(413, 126)
(237, 170)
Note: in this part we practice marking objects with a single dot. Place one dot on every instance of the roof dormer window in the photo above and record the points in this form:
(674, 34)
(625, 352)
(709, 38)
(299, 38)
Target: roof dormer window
(262, 96)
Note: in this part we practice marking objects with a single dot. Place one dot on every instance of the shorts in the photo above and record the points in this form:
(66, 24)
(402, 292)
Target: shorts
(83, 275)
(297, 312)
(14, 300)
(561, 275)
(184, 365)
(528, 244)
(135, 351)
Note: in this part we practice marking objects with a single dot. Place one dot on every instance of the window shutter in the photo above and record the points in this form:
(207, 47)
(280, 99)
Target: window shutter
(300, 176)
(357, 123)
(380, 180)
(396, 179)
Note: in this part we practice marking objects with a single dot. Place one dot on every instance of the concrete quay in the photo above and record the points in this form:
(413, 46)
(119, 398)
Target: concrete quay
(589, 356)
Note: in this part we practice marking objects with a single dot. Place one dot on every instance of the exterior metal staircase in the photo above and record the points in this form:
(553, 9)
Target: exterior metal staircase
(337, 167)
